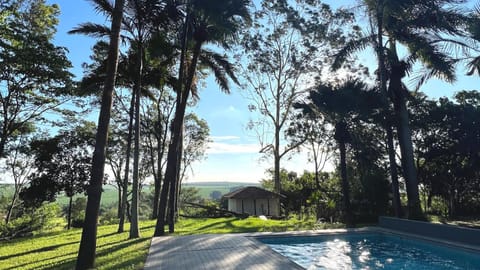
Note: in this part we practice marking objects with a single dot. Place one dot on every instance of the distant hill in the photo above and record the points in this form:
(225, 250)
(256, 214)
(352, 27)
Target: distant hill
(110, 197)
(207, 188)
(225, 184)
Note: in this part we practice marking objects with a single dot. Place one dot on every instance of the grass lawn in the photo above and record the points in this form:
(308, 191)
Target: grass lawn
(58, 250)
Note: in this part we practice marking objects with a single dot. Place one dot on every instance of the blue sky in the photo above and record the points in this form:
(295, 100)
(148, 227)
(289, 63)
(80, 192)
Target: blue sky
(234, 153)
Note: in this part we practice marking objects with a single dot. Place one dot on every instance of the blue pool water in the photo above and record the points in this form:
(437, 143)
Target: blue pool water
(370, 251)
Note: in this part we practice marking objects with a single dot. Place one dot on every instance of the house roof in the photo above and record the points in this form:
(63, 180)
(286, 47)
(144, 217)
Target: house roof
(251, 193)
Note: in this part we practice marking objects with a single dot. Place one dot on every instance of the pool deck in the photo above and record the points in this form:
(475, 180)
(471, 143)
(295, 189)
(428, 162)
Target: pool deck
(240, 251)
(214, 251)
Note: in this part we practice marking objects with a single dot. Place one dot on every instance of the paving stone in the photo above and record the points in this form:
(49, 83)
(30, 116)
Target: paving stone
(210, 251)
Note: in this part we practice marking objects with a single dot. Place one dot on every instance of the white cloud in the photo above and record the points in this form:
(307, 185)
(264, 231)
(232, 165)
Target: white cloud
(228, 148)
(224, 138)
(230, 144)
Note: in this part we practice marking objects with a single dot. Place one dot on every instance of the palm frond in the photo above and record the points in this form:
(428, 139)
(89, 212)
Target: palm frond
(219, 73)
(91, 29)
(103, 6)
(221, 68)
(474, 66)
(350, 48)
(431, 55)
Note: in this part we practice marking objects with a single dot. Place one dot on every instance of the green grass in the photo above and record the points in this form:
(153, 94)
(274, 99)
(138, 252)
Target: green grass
(58, 250)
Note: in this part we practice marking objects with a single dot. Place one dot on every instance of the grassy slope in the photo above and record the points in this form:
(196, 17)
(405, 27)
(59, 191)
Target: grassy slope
(58, 250)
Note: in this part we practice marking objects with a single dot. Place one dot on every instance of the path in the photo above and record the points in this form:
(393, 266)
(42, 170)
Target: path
(213, 251)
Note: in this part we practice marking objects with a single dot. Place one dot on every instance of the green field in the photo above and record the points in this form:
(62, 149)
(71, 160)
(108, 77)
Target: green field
(110, 193)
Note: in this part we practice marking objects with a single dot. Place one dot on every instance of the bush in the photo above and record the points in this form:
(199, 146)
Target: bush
(78, 212)
(109, 216)
(32, 220)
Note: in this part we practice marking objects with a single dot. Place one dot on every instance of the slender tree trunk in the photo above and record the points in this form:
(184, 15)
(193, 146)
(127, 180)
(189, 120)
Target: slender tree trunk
(134, 231)
(317, 176)
(3, 140)
(161, 138)
(397, 206)
(408, 165)
(69, 214)
(86, 253)
(127, 165)
(174, 148)
(177, 198)
(345, 187)
(158, 181)
(276, 151)
(386, 107)
(156, 196)
(119, 198)
(11, 206)
(162, 206)
(398, 94)
(174, 186)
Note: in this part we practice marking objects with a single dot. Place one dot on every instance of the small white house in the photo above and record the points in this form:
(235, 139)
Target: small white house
(254, 201)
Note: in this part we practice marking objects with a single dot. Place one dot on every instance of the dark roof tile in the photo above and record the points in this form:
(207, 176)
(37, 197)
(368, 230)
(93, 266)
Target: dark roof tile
(251, 193)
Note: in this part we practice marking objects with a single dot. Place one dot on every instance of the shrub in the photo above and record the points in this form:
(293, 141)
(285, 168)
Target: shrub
(32, 220)
(109, 216)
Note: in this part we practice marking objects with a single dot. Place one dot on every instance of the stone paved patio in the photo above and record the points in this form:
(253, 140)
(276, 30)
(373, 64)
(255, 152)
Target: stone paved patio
(211, 251)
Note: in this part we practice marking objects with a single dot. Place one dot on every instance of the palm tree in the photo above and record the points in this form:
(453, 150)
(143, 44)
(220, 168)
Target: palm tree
(428, 30)
(375, 39)
(138, 25)
(341, 105)
(86, 253)
(474, 29)
(205, 22)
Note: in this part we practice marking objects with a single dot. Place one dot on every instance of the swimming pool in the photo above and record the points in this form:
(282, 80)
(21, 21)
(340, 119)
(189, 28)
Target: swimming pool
(370, 251)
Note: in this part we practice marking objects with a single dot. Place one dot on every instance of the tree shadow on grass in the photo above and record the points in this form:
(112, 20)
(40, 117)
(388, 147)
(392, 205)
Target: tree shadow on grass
(38, 250)
(53, 265)
(111, 249)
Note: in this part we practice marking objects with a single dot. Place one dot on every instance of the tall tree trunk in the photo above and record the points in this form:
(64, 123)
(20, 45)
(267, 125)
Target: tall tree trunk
(174, 147)
(348, 219)
(386, 107)
(276, 151)
(69, 214)
(397, 206)
(119, 198)
(123, 208)
(161, 138)
(406, 149)
(156, 196)
(134, 231)
(398, 93)
(162, 205)
(172, 198)
(86, 252)
(342, 136)
(177, 198)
